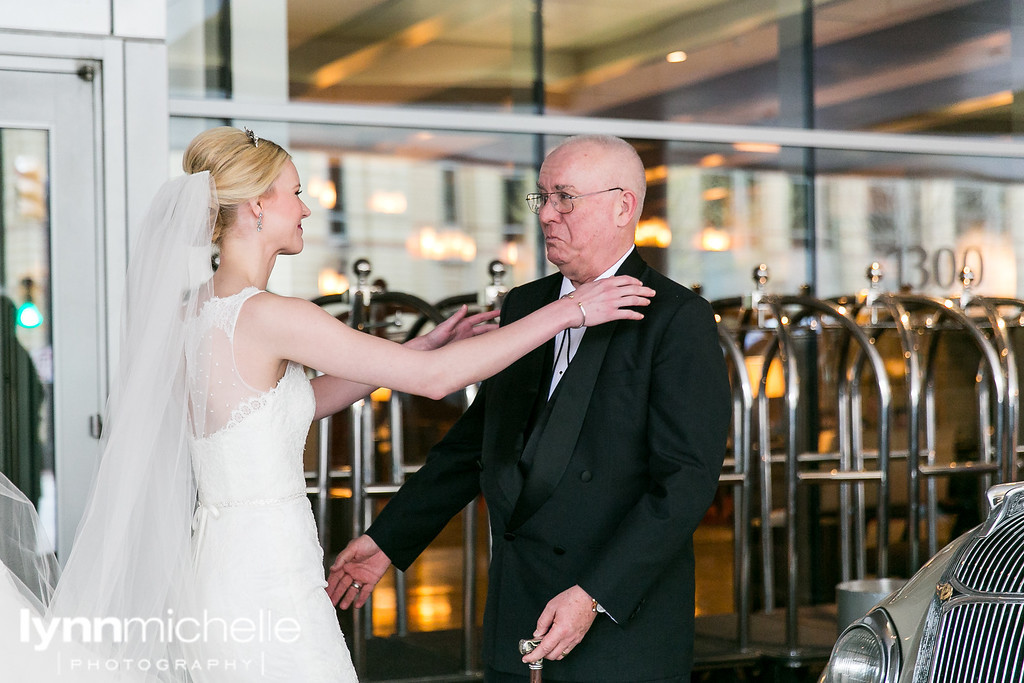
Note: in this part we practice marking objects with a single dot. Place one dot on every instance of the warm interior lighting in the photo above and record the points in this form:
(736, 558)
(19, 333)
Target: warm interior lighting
(510, 253)
(392, 203)
(414, 36)
(433, 606)
(423, 32)
(895, 368)
(450, 245)
(656, 174)
(323, 191)
(713, 194)
(675, 57)
(983, 244)
(30, 187)
(711, 161)
(653, 232)
(757, 147)
(328, 196)
(330, 281)
(775, 384)
(335, 72)
(714, 239)
(381, 395)
(945, 115)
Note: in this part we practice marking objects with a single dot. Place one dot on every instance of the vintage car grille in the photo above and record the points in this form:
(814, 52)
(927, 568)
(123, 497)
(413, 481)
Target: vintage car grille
(995, 563)
(981, 632)
(980, 641)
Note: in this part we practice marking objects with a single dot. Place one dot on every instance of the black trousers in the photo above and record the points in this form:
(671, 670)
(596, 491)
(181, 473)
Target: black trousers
(492, 676)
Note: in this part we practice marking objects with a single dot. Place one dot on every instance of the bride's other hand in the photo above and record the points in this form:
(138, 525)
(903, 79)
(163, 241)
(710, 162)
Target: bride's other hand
(459, 325)
(356, 571)
(611, 298)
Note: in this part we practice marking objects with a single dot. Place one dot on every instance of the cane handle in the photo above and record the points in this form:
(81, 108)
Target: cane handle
(525, 648)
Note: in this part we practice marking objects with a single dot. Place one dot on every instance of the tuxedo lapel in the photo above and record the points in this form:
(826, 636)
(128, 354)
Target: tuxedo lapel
(557, 430)
(520, 401)
(553, 439)
(517, 415)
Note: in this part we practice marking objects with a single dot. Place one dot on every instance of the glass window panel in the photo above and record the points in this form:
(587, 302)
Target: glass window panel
(922, 217)
(429, 209)
(26, 347)
(434, 52)
(728, 208)
(199, 48)
(918, 66)
(711, 61)
(907, 66)
(438, 53)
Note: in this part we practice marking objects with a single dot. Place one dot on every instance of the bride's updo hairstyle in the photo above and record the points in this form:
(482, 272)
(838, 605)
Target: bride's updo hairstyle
(242, 165)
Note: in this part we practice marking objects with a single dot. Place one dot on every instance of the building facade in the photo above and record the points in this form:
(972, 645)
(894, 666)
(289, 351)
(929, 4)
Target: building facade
(815, 137)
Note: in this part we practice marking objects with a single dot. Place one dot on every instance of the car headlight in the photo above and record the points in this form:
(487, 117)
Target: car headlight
(866, 652)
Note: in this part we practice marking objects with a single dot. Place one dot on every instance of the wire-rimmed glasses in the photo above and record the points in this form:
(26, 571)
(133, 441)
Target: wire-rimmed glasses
(562, 201)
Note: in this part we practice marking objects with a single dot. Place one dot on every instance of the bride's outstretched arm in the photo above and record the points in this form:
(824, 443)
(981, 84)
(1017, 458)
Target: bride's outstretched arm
(295, 329)
(336, 393)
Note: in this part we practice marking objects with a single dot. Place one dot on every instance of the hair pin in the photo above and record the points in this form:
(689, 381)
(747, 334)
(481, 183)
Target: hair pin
(252, 136)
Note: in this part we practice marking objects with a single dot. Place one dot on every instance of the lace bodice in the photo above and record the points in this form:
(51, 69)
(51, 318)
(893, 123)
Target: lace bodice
(246, 443)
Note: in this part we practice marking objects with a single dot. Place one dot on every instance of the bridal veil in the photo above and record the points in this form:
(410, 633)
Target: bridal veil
(131, 559)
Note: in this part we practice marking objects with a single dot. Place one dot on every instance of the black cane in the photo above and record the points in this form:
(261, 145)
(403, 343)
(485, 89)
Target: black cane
(525, 648)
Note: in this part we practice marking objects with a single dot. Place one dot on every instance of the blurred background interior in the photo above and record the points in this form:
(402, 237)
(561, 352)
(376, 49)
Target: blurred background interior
(820, 138)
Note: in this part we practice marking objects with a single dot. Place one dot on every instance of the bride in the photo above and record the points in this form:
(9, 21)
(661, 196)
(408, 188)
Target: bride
(197, 558)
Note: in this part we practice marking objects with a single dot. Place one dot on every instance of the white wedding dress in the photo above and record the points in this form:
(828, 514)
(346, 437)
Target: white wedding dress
(257, 558)
(197, 559)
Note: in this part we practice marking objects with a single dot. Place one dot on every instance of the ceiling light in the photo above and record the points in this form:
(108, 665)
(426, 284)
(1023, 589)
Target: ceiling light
(713, 194)
(675, 57)
(757, 147)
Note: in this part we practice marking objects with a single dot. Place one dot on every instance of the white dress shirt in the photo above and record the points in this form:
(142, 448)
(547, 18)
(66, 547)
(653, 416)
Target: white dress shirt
(568, 341)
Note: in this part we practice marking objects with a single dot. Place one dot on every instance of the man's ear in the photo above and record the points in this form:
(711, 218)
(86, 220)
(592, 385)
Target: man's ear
(626, 208)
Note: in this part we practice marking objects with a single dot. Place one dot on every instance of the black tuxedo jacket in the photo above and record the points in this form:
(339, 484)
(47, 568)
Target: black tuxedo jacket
(623, 460)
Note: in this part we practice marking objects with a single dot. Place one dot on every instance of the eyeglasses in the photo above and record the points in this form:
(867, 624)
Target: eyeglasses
(562, 201)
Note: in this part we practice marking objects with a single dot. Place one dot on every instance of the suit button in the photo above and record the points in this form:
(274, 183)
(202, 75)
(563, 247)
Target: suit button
(559, 550)
(586, 476)
(509, 536)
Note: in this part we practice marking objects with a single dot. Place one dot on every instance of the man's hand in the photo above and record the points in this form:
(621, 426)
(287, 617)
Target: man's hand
(458, 325)
(356, 571)
(563, 623)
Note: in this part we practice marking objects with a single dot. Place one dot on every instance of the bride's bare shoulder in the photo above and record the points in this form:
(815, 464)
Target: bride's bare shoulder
(270, 311)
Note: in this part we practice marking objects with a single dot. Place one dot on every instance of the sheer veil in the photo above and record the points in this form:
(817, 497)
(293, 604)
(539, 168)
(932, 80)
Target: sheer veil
(131, 559)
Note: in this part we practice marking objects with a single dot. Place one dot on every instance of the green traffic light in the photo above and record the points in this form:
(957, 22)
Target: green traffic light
(28, 316)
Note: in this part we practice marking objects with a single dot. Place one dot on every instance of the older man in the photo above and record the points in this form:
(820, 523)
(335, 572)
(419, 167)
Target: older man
(597, 454)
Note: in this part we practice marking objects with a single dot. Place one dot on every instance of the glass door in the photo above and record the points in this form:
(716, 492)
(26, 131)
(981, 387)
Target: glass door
(50, 285)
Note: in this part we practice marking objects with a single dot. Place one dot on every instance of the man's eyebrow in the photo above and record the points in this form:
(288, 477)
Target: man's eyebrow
(558, 188)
